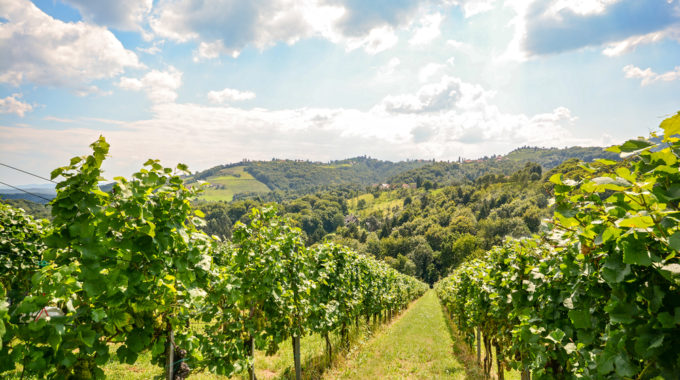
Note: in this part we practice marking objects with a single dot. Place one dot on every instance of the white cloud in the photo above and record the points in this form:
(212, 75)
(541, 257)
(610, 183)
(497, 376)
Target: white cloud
(39, 49)
(648, 76)
(629, 44)
(12, 104)
(428, 71)
(226, 27)
(544, 27)
(387, 72)
(119, 14)
(160, 86)
(229, 95)
(155, 48)
(449, 94)
(428, 30)
(580, 7)
(378, 40)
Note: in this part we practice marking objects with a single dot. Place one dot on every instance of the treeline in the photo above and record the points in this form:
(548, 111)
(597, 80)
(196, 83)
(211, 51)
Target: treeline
(302, 175)
(549, 158)
(597, 295)
(456, 173)
(129, 269)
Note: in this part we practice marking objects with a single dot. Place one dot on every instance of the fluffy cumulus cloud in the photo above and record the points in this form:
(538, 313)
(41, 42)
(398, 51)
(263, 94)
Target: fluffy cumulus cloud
(631, 43)
(229, 95)
(160, 86)
(387, 71)
(647, 76)
(361, 16)
(39, 49)
(377, 40)
(12, 105)
(555, 26)
(226, 27)
(446, 95)
(428, 30)
(119, 14)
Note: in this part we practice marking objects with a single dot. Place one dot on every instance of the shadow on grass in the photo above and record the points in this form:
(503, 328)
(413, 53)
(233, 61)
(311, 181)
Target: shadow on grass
(463, 352)
(313, 368)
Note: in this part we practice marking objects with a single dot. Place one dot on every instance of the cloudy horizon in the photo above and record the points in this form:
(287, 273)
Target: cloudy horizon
(215, 81)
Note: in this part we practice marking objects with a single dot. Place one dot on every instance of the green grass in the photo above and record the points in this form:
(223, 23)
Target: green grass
(385, 203)
(468, 356)
(231, 181)
(416, 346)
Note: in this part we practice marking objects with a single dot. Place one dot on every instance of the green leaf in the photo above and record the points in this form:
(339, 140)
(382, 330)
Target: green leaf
(666, 319)
(98, 315)
(623, 366)
(621, 312)
(634, 252)
(634, 145)
(87, 336)
(674, 241)
(136, 342)
(671, 125)
(580, 318)
(605, 161)
(556, 179)
(556, 335)
(642, 221)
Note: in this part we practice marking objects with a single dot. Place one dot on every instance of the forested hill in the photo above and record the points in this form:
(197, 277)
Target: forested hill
(552, 157)
(303, 176)
(292, 178)
(487, 168)
(300, 175)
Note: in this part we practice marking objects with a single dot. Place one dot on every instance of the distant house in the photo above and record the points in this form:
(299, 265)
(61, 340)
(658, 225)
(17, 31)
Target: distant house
(385, 186)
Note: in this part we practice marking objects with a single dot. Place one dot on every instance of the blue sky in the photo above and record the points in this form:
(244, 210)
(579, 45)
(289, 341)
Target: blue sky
(207, 82)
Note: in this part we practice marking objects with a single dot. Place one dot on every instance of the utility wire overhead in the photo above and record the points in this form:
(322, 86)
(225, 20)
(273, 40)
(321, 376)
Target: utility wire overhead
(29, 173)
(27, 192)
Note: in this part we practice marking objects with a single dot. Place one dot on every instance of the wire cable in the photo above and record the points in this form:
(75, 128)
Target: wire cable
(29, 173)
(27, 192)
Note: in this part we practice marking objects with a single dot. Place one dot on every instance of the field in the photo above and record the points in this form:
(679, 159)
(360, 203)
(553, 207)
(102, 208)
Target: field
(367, 204)
(231, 181)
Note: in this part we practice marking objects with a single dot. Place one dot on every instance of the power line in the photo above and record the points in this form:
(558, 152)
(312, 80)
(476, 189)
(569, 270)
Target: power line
(27, 192)
(24, 171)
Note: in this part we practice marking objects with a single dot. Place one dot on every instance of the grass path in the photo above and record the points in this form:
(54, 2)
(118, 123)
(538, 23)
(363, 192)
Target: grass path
(416, 346)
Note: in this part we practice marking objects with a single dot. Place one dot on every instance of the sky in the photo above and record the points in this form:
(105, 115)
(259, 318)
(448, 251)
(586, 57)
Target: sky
(209, 82)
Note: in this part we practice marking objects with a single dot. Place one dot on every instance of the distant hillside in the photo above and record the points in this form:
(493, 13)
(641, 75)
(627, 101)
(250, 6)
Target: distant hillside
(297, 176)
(40, 195)
(549, 158)
(446, 173)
